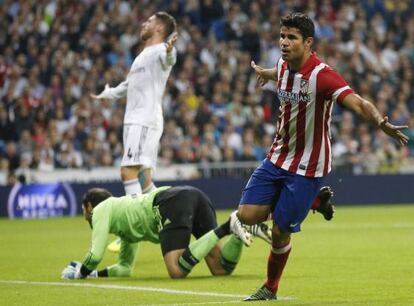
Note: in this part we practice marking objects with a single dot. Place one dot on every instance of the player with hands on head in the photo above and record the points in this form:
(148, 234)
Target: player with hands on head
(289, 179)
(169, 216)
(143, 120)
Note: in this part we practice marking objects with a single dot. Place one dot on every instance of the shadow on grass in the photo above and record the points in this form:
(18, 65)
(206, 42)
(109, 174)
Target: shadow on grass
(151, 279)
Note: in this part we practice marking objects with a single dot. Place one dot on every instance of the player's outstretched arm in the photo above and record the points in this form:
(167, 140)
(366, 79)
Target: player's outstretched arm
(101, 95)
(112, 93)
(369, 112)
(264, 75)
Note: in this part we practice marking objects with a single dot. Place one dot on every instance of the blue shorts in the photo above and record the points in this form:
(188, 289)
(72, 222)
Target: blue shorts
(290, 195)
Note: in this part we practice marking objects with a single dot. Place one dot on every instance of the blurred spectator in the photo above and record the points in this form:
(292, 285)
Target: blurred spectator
(11, 155)
(54, 53)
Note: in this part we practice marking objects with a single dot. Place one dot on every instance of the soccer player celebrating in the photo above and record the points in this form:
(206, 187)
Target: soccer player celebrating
(287, 181)
(143, 120)
(167, 215)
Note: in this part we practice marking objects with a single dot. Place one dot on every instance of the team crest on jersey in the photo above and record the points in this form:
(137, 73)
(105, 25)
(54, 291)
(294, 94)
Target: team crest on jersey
(304, 85)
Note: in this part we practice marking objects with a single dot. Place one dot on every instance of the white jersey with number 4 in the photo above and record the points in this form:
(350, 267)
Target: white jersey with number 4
(144, 86)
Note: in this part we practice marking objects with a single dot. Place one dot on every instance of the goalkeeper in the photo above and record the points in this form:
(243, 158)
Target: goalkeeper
(169, 216)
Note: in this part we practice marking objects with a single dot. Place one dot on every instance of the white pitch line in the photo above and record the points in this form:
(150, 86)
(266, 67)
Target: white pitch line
(199, 303)
(284, 298)
(279, 298)
(132, 288)
(135, 288)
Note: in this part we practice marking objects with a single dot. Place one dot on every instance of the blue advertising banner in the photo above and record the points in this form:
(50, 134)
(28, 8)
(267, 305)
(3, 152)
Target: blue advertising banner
(53, 200)
(41, 201)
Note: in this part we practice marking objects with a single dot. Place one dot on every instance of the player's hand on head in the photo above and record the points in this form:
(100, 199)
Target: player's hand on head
(394, 131)
(100, 96)
(171, 41)
(260, 77)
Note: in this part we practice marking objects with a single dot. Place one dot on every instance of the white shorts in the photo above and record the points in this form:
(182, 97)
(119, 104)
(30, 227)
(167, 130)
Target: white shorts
(140, 146)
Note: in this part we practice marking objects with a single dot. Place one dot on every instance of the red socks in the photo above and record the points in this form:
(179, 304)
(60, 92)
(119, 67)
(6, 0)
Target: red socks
(316, 203)
(275, 265)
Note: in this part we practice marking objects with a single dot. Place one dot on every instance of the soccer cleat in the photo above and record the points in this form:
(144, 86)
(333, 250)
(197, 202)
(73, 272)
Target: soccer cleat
(261, 294)
(237, 229)
(261, 230)
(115, 246)
(326, 208)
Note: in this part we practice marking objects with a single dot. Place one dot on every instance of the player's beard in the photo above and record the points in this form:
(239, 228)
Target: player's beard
(145, 35)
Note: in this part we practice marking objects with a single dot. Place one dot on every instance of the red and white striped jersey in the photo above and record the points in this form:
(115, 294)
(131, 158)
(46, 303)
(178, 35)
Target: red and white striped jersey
(302, 144)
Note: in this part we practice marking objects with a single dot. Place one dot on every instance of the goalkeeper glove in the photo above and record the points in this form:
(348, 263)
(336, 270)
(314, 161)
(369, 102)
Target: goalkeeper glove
(72, 271)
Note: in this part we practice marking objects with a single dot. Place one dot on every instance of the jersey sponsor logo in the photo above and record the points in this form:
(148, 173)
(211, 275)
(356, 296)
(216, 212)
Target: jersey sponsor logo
(41, 201)
(293, 97)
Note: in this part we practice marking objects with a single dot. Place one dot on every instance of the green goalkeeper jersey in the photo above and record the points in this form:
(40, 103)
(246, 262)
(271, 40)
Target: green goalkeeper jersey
(133, 219)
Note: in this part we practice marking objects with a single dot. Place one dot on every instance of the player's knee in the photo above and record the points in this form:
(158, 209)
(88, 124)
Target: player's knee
(128, 273)
(220, 272)
(279, 238)
(124, 173)
(176, 274)
(129, 173)
(246, 218)
(124, 271)
(250, 215)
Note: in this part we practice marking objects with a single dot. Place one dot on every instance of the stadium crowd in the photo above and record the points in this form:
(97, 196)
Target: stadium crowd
(53, 54)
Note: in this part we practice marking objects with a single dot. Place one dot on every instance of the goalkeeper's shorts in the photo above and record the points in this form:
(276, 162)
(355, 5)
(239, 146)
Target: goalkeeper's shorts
(184, 210)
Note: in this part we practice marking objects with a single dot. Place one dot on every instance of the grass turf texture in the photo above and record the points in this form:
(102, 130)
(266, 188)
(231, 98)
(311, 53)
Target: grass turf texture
(363, 257)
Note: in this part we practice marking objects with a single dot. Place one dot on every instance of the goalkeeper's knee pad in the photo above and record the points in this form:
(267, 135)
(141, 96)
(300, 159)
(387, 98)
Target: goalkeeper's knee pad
(187, 261)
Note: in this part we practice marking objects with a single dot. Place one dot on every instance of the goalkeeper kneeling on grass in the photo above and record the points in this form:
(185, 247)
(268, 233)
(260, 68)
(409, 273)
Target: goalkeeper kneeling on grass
(169, 216)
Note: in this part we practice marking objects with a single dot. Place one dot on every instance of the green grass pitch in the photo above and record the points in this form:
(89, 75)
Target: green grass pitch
(365, 256)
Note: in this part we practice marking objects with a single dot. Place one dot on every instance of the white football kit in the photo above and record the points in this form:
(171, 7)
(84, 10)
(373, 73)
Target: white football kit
(143, 120)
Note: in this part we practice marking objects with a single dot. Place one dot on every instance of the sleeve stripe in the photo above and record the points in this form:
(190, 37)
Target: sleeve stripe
(336, 94)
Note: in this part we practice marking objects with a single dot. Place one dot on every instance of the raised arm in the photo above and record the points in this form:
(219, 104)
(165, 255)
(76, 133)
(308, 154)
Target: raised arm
(113, 93)
(169, 57)
(370, 113)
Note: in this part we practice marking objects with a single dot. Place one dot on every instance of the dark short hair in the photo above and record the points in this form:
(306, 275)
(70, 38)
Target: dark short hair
(300, 21)
(95, 196)
(168, 21)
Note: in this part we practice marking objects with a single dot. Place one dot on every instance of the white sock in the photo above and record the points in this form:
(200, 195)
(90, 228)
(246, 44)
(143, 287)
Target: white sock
(149, 188)
(132, 187)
